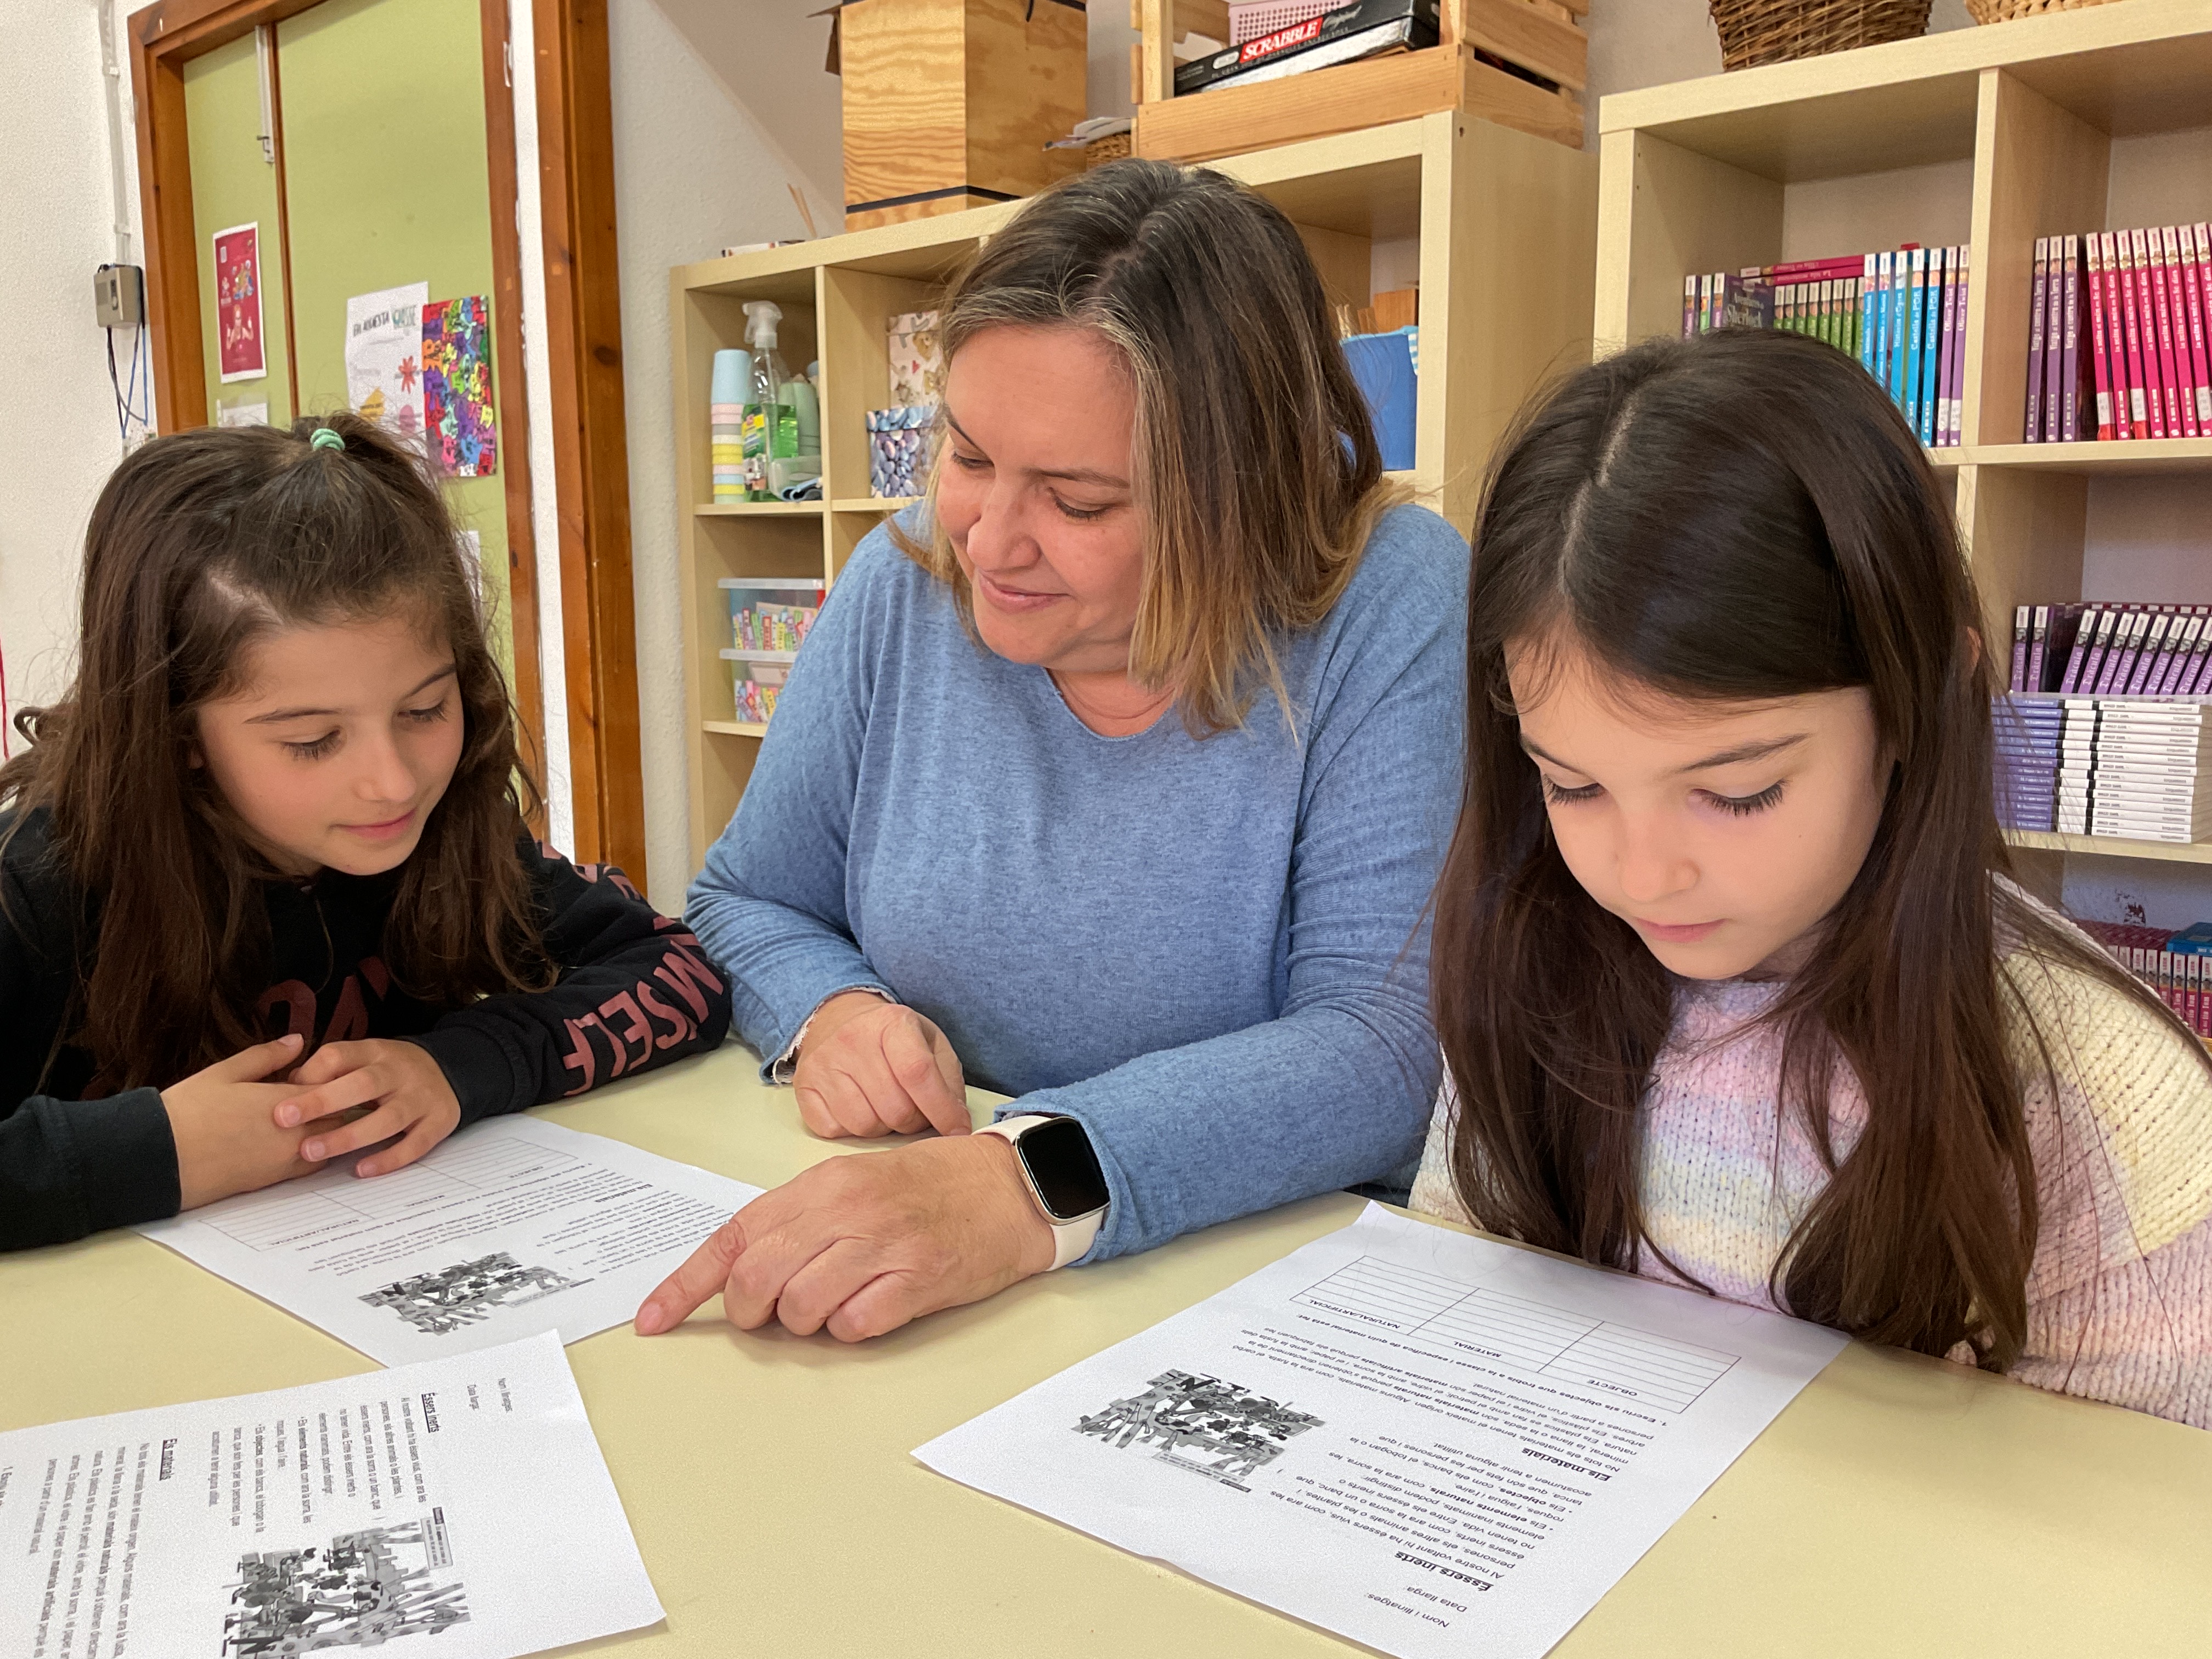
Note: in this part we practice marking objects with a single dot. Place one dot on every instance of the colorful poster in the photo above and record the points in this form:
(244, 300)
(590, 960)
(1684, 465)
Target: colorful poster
(239, 351)
(456, 408)
(384, 357)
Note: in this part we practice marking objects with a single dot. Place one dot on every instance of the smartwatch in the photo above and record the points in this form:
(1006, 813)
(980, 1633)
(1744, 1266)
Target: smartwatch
(1063, 1176)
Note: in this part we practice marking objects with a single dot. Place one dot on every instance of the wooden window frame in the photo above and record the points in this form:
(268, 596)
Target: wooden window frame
(591, 463)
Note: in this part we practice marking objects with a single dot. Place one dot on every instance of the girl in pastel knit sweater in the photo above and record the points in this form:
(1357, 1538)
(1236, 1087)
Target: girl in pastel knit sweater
(1734, 986)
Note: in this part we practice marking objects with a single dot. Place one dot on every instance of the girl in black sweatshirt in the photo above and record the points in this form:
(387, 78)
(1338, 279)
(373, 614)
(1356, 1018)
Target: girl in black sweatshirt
(266, 896)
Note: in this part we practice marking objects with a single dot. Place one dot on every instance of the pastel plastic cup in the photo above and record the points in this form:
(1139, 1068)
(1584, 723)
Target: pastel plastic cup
(733, 376)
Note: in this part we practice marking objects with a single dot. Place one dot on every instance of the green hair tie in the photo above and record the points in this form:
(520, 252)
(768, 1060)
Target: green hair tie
(326, 439)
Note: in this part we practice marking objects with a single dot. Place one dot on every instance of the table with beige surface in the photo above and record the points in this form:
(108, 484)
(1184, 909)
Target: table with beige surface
(1900, 1505)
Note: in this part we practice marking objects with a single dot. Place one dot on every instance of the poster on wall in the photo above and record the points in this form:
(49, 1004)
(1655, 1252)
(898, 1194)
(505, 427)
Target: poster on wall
(384, 357)
(456, 408)
(239, 351)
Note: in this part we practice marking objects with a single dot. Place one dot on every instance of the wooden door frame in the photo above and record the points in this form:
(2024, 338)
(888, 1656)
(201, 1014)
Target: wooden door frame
(591, 472)
(591, 465)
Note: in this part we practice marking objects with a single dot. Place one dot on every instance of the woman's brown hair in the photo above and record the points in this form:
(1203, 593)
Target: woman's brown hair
(200, 544)
(1257, 476)
(1744, 517)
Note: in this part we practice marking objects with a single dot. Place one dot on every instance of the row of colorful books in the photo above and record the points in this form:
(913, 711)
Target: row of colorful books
(1902, 314)
(2178, 966)
(2113, 649)
(2119, 328)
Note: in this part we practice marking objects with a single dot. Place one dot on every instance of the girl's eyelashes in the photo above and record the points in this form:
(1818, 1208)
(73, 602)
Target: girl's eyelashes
(315, 749)
(1559, 795)
(436, 711)
(1744, 806)
(969, 463)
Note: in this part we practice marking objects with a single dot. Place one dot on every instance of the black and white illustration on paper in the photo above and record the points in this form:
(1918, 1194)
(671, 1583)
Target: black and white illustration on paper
(467, 1292)
(358, 1592)
(1188, 1419)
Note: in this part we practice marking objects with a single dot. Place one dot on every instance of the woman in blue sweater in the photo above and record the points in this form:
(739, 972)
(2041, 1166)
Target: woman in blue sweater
(1113, 777)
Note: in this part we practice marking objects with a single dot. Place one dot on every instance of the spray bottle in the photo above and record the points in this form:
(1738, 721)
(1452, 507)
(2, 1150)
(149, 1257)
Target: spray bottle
(771, 423)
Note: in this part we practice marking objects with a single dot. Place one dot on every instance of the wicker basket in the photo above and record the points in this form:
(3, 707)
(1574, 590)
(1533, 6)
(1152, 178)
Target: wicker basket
(1777, 30)
(1110, 148)
(2003, 11)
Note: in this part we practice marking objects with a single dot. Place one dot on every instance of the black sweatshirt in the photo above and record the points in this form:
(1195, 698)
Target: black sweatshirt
(634, 989)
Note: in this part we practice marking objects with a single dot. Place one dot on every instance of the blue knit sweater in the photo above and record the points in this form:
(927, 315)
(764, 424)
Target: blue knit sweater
(1211, 951)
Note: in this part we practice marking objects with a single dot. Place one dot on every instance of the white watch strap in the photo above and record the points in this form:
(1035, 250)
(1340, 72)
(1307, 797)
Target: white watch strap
(1071, 1240)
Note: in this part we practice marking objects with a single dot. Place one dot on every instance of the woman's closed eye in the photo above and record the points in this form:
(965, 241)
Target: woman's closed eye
(1080, 514)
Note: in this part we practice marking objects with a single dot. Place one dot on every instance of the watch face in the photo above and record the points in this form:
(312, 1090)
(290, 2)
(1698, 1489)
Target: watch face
(1059, 1161)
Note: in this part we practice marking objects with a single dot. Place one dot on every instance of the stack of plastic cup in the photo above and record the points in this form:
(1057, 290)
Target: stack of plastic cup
(733, 375)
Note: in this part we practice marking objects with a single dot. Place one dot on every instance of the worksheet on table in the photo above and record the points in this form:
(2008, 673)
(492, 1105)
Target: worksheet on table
(1430, 1444)
(464, 1500)
(512, 1227)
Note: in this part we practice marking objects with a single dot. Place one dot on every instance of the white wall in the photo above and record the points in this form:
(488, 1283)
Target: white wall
(58, 439)
(695, 172)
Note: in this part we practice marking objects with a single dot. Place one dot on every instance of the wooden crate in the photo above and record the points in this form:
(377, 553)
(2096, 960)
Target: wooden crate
(949, 104)
(1543, 37)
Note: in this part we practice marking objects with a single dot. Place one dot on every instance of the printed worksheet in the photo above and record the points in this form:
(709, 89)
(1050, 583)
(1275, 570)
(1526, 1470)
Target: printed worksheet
(421, 1502)
(512, 1227)
(1430, 1444)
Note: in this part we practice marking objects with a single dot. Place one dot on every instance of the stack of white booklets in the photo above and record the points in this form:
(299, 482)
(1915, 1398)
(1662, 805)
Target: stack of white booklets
(2135, 767)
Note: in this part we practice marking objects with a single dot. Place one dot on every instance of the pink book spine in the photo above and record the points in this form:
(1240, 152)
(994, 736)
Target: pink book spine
(2147, 308)
(2116, 338)
(2169, 366)
(1959, 351)
(2092, 253)
(2131, 325)
(1946, 322)
(2039, 283)
(2070, 351)
(2188, 326)
(2197, 300)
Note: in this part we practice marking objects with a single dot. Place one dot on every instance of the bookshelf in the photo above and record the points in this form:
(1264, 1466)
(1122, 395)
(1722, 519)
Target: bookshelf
(2093, 119)
(1503, 224)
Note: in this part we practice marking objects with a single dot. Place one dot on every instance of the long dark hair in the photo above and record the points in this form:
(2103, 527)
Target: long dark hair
(199, 545)
(1257, 475)
(1741, 517)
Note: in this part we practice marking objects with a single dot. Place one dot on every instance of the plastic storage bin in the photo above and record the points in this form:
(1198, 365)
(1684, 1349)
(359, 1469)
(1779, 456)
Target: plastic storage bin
(898, 450)
(770, 613)
(756, 680)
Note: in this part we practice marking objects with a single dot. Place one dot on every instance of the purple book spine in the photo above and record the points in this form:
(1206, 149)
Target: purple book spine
(2184, 652)
(2113, 675)
(2085, 642)
(2089, 659)
(2071, 346)
(1958, 353)
(2035, 340)
(2028, 621)
(2053, 321)
(2152, 658)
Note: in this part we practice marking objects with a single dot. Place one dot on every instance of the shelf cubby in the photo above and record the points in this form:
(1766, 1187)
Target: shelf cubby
(1498, 223)
(2094, 118)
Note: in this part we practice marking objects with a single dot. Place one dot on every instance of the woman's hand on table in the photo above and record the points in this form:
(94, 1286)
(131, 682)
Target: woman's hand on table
(870, 1067)
(858, 1246)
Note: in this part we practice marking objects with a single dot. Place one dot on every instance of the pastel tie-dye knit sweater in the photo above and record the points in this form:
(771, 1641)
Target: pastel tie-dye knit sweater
(2120, 1294)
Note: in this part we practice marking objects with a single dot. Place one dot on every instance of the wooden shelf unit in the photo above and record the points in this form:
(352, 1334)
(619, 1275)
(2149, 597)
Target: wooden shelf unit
(2091, 119)
(1504, 223)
